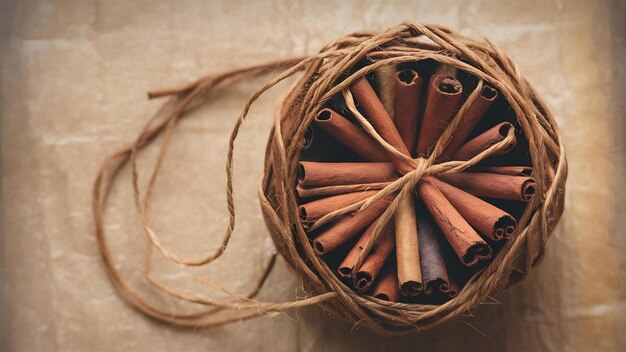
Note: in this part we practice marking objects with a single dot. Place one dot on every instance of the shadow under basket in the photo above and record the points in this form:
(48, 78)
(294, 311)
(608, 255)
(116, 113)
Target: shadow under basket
(438, 128)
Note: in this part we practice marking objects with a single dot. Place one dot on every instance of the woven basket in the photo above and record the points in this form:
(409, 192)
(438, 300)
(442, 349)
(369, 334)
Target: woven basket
(326, 76)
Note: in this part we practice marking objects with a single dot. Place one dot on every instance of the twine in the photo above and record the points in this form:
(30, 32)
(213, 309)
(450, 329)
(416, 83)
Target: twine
(325, 76)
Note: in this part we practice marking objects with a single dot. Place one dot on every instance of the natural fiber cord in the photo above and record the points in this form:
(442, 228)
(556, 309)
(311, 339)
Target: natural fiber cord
(325, 77)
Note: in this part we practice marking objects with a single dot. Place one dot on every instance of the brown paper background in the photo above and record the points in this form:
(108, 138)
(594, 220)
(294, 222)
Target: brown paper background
(74, 76)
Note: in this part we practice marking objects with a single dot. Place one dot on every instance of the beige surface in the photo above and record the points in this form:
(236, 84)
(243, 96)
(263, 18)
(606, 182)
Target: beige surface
(74, 77)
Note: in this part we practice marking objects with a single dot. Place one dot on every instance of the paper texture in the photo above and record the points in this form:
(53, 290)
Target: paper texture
(74, 76)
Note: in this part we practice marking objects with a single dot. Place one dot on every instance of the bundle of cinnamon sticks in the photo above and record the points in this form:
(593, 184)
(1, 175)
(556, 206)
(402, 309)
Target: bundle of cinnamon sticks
(448, 228)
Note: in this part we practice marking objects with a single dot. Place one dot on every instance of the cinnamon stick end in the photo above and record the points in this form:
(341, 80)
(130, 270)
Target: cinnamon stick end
(318, 247)
(529, 188)
(505, 128)
(503, 131)
(411, 288)
(302, 212)
(300, 172)
(324, 115)
(489, 93)
(345, 272)
(407, 77)
(438, 284)
(504, 228)
(448, 85)
(362, 281)
(479, 251)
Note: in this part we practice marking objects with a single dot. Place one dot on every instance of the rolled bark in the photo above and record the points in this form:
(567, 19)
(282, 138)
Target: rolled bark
(484, 217)
(453, 289)
(350, 135)
(504, 170)
(387, 287)
(314, 210)
(444, 95)
(378, 117)
(377, 256)
(314, 174)
(348, 226)
(308, 192)
(407, 249)
(408, 87)
(467, 244)
(385, 77)
(458, 274)
(485, 140)
(469, 120)
(433, 266)
(346, 266)
(488, 185)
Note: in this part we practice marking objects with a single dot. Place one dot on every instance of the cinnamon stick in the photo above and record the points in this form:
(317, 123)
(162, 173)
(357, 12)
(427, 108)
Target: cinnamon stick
(458, 274)
(314, 210)
(378, 117)
(408, 86)
(377, 256)
(350, 135)
(467, 244)
(348, 226)
(520, 188)
(385, 77)
(407, 249)
(484, 217)
(504, 170)
(311, 173)
(387, 287)
(346, 266)
(434, 272)
(469, 120)
(444, 95)
(453, 289)
(485, 140)
(307, 192)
